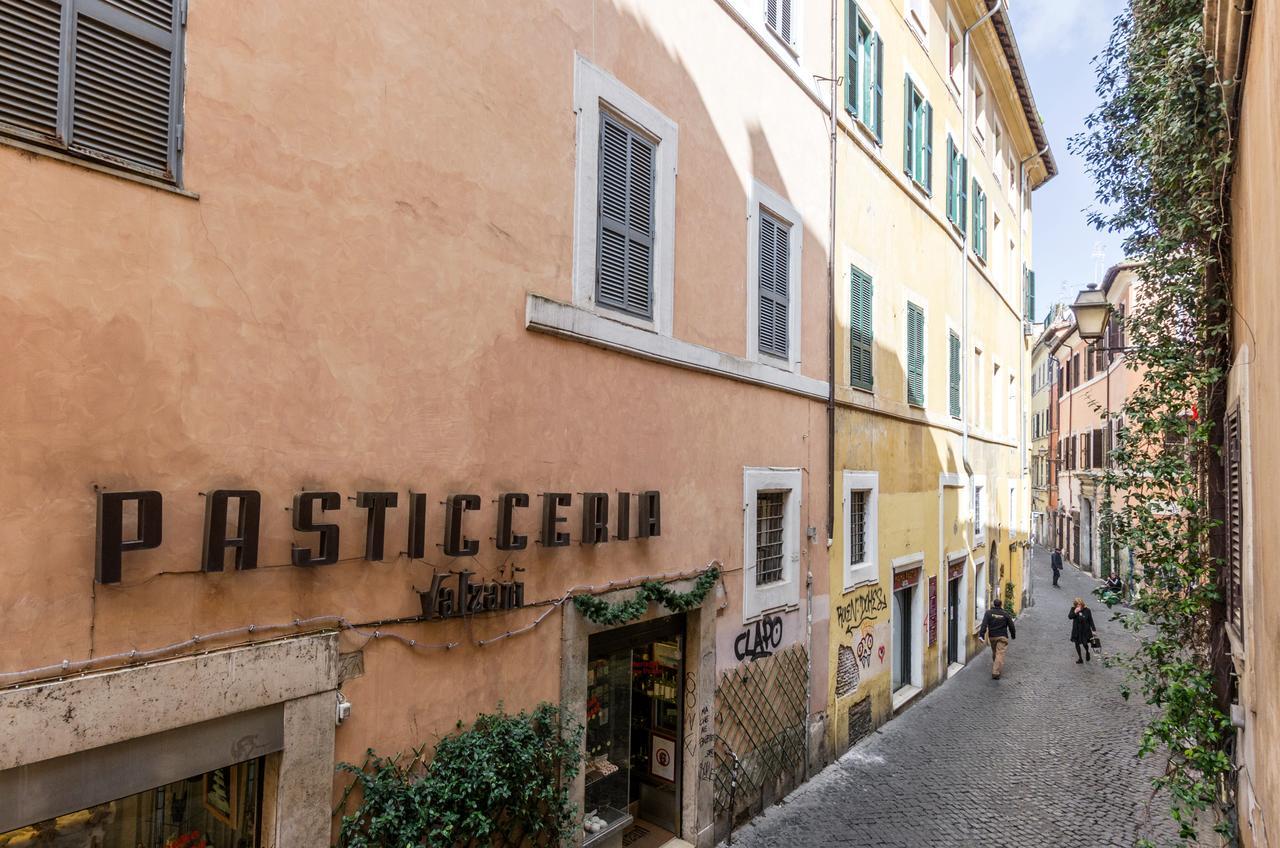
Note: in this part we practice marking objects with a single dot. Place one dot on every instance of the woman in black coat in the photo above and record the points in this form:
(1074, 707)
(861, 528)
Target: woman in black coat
(1082, 628)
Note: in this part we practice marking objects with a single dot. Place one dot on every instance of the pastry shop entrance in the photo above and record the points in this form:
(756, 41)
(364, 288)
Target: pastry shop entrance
(635, 717)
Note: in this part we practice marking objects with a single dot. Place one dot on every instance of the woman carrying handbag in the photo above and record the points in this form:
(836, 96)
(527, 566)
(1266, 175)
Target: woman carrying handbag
(1082, 629)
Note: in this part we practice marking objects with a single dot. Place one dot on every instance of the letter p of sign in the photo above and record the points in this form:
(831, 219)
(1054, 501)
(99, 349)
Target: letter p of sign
(111, 543)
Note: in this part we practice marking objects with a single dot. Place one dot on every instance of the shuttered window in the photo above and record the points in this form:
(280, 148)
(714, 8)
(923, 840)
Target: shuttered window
(1099, 449)
(864, 72)
(954, 382)
(624, 262)
(860, 329)
(1234, 577)
(915, 355)
(917, 142)
(979, 222)
(780, 16)
(957, 180)
(95, 79)
(775, 288)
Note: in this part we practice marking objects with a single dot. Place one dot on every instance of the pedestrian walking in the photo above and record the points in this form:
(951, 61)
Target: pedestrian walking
(1055, 562)
(1082, 629)
(997, 626)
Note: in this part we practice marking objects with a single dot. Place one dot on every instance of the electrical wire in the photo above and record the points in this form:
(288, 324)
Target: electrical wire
(319, 623)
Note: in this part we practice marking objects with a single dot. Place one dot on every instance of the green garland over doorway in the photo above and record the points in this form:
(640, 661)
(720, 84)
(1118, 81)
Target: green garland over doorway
(600, 611)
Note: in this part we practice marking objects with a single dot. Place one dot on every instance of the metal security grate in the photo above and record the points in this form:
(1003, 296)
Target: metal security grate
(769, 530)
(857, 526)
(760, 733)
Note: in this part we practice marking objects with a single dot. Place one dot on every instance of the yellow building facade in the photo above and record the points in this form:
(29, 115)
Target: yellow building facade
(932, 372)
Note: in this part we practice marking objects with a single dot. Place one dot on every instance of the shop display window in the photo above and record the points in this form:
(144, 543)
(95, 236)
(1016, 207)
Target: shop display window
(217, 809)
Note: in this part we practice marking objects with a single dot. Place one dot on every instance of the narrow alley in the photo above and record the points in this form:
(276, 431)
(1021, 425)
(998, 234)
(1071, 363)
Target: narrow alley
(1046, 756)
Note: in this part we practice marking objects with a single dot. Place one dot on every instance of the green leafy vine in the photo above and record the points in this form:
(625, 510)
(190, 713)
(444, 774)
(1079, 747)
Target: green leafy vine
(602, 612)
(1159, 147)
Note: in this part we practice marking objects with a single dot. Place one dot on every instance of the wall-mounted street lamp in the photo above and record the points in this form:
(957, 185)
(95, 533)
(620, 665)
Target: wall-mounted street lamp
(1092, 313)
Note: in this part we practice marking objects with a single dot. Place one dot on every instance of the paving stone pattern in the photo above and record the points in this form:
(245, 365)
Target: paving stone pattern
(1045, 756)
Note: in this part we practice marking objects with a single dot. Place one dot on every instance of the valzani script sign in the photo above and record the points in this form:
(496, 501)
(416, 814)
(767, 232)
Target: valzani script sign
(463, 597)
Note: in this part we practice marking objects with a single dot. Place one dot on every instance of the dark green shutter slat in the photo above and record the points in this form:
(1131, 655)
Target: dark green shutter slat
(851, 81)
(951, 179)
(928, 147)
(962, 175)
(908, 128)
(860, 329)
(915, 355)
(955, 375)
(879, 100)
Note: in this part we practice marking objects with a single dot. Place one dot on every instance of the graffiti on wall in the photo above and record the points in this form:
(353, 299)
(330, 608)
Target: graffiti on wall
(759, 640)
(860, 609)
(860, 660)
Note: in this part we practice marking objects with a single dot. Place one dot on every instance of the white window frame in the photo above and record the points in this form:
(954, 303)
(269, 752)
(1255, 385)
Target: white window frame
(979, 500)
(980, 118)
(954, 72)
(867, 571)
(975, 371)
(997, 397)
(763, 197)
(916, 13)
(1012, 412)
(595, 90)
(1013, 508)
(785, 593)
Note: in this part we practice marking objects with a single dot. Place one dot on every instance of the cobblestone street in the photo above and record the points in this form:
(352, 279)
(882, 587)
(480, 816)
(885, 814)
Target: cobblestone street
(1045, 756)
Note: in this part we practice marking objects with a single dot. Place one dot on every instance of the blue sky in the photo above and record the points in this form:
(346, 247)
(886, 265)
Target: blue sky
(1058, 40)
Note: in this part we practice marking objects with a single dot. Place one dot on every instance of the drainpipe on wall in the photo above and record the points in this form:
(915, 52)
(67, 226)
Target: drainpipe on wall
(1022, 261)
(965, 360)
(831, 382)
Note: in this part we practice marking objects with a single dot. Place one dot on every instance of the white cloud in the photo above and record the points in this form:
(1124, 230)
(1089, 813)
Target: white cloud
(1062, 26)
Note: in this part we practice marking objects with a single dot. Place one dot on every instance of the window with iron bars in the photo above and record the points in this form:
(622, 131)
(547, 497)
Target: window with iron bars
(857, 526)
(769, 529)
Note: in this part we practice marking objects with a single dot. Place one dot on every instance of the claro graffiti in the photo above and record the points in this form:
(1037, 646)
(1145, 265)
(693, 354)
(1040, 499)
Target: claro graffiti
(861, 608)
(759, 640)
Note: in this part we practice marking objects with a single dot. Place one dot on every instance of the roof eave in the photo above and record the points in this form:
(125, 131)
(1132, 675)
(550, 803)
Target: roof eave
(1004, 32)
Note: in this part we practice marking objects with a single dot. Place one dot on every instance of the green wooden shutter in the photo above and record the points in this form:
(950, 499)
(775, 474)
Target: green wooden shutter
(860, 328)
(915, 355)
(908, 129)
(624, 252)
(954, 383)
(773, 318)
(851, 77)
(951, 179)
(879, 92)
(928, 147)
(962, 177)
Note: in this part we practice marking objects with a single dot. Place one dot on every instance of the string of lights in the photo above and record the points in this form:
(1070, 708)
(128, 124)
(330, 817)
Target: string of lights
(313, 624)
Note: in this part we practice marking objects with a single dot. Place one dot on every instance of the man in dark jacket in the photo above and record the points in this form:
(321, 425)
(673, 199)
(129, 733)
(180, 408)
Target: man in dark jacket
(1055, 562)
(997, 626)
